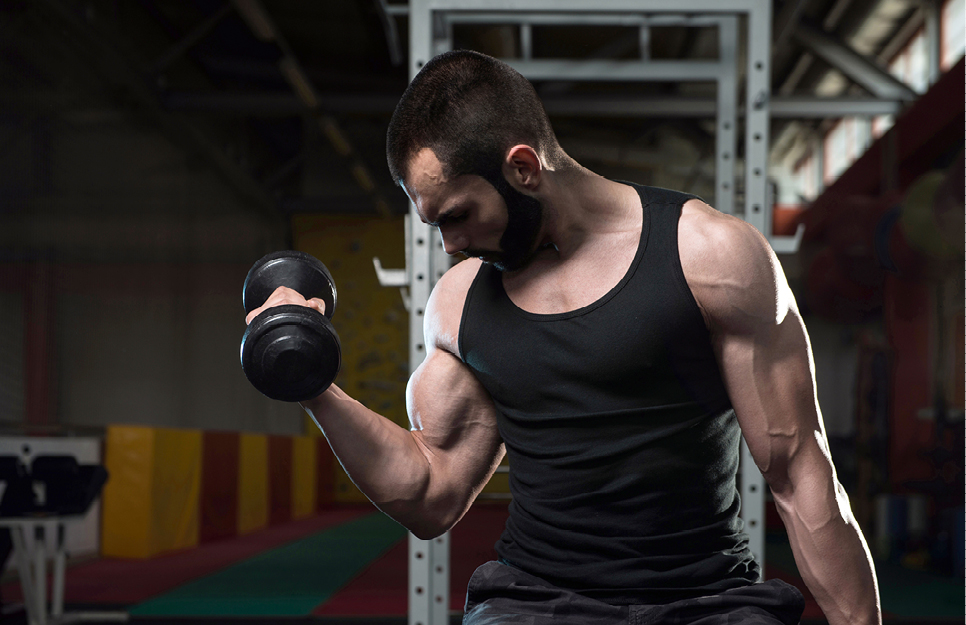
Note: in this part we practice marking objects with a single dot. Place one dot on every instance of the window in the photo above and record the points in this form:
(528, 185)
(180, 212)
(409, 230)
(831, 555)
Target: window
(952, 31)
(911, 65)
(844, 143)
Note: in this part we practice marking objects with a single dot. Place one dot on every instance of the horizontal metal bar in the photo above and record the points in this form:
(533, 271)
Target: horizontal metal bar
(617, 70)
(582, 6)
(821, 108)
(556, 19)
(628, 106)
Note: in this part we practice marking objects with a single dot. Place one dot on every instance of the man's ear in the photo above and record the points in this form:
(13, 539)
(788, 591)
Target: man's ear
(522, 167)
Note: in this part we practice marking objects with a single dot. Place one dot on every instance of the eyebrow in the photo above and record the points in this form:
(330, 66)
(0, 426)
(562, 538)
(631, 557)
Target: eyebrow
(445, 216)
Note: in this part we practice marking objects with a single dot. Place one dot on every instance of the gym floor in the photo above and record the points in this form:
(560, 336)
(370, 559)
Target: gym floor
(349, 565)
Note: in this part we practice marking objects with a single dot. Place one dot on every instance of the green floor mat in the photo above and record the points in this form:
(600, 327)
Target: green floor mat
(287, 581)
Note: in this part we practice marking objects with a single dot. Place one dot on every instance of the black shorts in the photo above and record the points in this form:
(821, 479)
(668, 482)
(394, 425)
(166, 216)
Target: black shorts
(499, 594)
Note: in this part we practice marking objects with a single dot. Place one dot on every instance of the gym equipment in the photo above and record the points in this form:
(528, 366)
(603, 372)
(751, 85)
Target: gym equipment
(290, 353)
(69, 488)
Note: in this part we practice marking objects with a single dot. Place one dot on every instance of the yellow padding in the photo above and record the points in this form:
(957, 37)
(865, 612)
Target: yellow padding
(126, 501)
(177, 487)
(303, 476)
(150, 504)
(252, 482)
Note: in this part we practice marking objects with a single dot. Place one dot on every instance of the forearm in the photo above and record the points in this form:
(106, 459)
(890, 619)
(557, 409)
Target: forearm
(834, 561)
(382, 458)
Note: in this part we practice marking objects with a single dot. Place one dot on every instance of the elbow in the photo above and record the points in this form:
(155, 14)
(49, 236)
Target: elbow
(424, 520)
(429, 526)
(428, 531)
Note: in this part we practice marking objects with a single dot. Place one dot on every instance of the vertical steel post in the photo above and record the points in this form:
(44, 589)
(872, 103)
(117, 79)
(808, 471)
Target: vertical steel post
(428, 559)
(757, 213)
(727, 116)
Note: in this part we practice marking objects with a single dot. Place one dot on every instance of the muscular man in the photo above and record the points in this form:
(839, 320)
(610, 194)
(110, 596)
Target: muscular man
(614, 340)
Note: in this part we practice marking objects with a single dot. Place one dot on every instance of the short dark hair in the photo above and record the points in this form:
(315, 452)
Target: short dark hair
(469, 109)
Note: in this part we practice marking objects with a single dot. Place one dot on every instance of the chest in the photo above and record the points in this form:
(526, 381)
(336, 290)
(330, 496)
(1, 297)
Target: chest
(551, 285)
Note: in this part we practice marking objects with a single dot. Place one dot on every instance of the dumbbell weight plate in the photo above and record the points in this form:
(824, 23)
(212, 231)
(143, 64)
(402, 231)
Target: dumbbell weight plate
(291, 353)
(298, 271)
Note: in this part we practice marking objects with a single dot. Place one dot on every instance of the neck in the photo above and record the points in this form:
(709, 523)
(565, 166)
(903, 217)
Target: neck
(579, 205)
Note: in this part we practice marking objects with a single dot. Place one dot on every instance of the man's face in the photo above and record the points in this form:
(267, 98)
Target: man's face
(497, 224)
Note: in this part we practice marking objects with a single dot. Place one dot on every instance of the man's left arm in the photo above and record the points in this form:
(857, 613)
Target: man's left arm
(766, 363)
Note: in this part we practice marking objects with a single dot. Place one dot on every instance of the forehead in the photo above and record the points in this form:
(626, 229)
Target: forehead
(430, 190)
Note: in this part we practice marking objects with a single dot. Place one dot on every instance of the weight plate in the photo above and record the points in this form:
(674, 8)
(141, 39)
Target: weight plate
(291, 353)
(298, 271)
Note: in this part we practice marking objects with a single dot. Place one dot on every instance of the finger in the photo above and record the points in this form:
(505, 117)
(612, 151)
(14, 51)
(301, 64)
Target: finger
(317, 304)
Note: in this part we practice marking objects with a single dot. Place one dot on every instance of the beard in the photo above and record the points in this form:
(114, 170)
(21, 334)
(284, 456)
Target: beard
(518, 243)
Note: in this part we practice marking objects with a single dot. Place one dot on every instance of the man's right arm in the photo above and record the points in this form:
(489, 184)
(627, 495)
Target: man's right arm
(428, 476)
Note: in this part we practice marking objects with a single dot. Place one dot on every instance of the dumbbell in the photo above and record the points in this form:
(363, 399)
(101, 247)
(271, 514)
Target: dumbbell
(290, 352)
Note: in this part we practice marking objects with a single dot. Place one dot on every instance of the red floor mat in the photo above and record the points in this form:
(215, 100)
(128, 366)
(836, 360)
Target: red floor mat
(382, 589)
(118, 582)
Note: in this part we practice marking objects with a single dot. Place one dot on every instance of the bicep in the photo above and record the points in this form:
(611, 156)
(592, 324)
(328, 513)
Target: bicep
(453, 420)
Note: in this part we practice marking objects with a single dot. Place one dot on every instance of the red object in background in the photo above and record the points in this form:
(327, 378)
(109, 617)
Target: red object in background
(785, 219)
(219, 486)
(324, 474)
(279, 479)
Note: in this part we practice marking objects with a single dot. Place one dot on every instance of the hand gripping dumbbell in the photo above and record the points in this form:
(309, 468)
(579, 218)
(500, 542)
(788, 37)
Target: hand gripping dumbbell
(290, 352)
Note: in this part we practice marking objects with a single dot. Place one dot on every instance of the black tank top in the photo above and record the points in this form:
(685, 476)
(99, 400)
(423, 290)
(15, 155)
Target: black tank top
(622, 442)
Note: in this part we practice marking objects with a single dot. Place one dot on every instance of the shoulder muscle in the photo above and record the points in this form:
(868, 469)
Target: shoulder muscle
(732, 271)
(445, 307)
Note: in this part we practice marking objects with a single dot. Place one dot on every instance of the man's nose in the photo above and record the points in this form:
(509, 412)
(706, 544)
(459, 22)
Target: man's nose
(453, 242)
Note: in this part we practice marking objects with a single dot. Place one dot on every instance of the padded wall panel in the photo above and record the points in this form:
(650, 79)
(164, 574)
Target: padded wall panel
(325, 470)
(280, 479)
(176, 489)
(127, 497)
(252, 482)
(219, 486)
(303, 476)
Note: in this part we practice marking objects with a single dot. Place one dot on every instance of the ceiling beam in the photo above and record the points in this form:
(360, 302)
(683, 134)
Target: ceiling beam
(856, 67)
(571, 105)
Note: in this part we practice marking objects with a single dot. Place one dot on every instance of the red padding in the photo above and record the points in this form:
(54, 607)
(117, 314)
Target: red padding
(219, 486)
(279, 479)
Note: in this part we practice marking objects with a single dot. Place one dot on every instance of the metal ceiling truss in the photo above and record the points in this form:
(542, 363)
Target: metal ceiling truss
(877, 80)
(431, 22)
